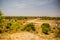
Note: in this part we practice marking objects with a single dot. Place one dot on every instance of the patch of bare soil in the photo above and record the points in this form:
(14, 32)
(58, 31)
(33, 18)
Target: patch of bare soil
(29, 36)
(25, 36)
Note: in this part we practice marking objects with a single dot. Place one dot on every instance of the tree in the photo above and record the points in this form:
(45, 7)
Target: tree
(1, 21)
(45, 28)
(1, 18)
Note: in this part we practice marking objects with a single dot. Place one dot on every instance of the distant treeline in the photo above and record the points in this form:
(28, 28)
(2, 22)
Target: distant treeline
(50, 18)
(32, 17)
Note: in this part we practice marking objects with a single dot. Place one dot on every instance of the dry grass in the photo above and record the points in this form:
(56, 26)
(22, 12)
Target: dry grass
(37, 35)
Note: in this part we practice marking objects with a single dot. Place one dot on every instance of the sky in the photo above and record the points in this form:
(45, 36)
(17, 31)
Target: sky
(29, 7)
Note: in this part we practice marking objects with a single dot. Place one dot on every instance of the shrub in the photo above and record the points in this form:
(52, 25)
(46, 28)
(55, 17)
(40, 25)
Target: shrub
(29, 27)
(14, 26)
(45, 28)
(8, 25)
(57, 32)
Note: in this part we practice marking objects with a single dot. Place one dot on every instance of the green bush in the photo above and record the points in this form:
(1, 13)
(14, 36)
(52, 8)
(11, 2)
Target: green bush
(14, 26)
(45, 28)
(8, 25)
(29, 27)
